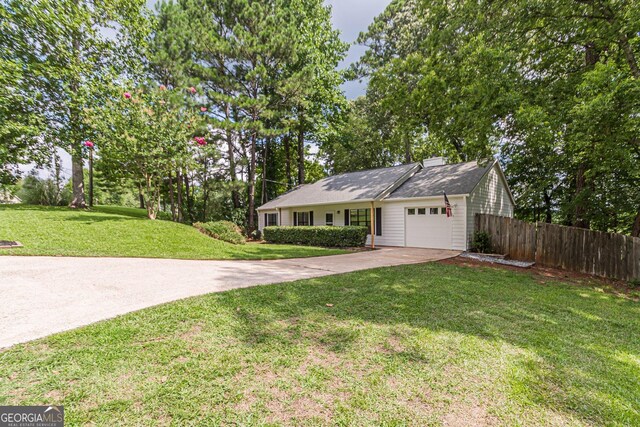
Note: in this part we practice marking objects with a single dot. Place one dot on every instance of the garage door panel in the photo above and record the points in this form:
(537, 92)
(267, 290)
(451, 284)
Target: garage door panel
(428, 231)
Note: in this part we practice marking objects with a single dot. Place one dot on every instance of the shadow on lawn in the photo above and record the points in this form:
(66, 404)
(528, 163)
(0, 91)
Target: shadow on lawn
(577, 334)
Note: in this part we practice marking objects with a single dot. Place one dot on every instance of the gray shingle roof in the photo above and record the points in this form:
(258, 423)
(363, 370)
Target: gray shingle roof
(459, 178)
(352, 186)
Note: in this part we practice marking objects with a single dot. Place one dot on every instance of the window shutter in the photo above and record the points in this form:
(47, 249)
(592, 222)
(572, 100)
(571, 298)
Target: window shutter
(346, 217)
(311, 218)
(295, 218)
(266, 222)
(378, 221)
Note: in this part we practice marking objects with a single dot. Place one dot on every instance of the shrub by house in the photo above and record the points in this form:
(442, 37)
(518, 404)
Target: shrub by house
(222, 230)
(340, 237)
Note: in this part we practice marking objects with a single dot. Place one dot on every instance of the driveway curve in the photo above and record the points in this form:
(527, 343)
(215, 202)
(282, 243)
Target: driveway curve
(45, 295)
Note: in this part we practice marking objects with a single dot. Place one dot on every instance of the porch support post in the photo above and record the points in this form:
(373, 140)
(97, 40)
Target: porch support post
(373, 219)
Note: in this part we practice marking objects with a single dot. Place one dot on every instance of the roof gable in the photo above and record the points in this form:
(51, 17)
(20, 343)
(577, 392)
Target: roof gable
(459, 178)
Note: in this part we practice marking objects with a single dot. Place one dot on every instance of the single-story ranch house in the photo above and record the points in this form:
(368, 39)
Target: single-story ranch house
(406, 202)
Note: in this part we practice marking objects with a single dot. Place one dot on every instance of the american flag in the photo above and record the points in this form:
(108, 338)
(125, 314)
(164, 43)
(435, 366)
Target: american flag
(447, 205)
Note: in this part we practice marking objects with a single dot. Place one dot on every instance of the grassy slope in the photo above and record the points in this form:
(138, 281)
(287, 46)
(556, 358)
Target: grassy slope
(114, 231)
(411, 345)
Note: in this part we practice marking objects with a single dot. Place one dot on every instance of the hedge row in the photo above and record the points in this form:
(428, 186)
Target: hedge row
(222, 230)
(339, 237)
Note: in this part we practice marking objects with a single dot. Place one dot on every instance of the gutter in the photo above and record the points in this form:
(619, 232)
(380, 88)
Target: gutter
(317, 204)
(404, 199)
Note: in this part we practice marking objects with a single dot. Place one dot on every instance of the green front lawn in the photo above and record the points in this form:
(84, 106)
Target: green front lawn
(426, 344)
(123, 232)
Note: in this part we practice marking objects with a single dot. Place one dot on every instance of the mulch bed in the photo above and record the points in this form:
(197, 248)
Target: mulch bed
(546, 276)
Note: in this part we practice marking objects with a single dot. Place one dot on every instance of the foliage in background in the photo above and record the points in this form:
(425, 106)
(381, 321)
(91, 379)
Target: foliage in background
(43, 191)
(226, 231)
(552, 86)
(144, 135)
(66, 53)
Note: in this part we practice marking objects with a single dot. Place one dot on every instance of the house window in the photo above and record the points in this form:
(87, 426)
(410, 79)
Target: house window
(272, 219)
(443, 211)
(303, 219)
(422, 211)
(328, 218)
(411, 211)
(360, 217)
(433, 211)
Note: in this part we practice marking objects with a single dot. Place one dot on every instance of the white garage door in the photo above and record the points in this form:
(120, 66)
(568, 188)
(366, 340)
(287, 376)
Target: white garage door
(427, 228)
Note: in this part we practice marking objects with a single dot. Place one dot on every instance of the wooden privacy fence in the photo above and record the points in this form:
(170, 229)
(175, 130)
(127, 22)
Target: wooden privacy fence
(610, 255)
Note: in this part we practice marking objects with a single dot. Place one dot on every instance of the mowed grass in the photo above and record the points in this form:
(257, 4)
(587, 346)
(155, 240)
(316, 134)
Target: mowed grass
(123, 232)
(429, 344)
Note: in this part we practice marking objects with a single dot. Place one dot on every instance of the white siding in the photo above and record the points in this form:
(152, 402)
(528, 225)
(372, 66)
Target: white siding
(261, 214)
(393, 219)
(490, 197)
(285, 217)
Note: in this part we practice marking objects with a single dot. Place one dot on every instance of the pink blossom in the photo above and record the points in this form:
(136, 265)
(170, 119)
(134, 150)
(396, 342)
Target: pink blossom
(192, 90)
(200, 140)
(88, 144)
(203, 109)
(127, 95)
(163, 87)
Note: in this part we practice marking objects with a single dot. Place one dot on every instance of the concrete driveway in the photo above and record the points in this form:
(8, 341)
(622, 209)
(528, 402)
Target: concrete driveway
(44, 295)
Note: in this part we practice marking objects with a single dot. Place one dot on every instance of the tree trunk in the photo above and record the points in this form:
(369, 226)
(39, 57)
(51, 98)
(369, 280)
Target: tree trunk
(189, 196)
(580, 213)
(407, 149)
(171, 197)
(591, 58)
(265, 154)
(235, 197)
(629, 56)
(151, 212)
(90, 178)
(635, 232)
(179, 184)
(252, 183)
(287, 161)
(77, 180)
(141, 197)
(301, 153)
(547, 207)
(77, 173)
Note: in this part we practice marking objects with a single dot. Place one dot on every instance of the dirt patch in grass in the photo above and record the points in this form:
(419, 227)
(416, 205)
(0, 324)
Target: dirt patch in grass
(462, 414)
(549, 276)
(194, 331)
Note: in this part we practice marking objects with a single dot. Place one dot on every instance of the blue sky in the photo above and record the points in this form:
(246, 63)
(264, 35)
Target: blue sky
(351, 17)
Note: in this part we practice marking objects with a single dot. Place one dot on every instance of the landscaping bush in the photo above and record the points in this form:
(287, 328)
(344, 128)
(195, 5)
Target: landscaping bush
(481, 242)
(222, 230)
(339, 237)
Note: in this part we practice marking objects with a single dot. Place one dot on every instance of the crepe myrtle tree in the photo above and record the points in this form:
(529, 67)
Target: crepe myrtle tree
(146, 133)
